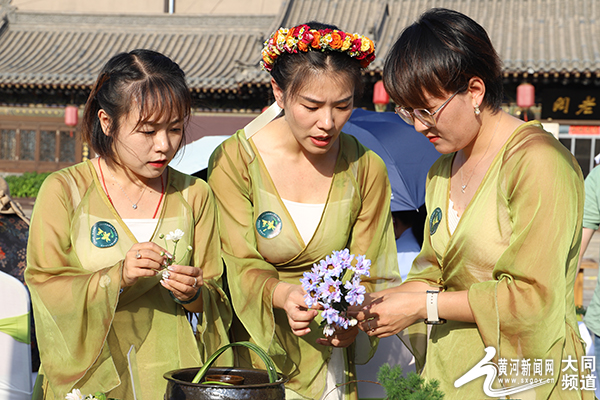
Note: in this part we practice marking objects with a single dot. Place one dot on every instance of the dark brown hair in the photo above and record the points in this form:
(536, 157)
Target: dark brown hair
(439, 54)
(141, 78)
(291, 71)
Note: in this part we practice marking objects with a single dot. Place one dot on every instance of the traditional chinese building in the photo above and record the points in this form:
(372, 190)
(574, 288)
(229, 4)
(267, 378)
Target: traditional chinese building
(49, 59)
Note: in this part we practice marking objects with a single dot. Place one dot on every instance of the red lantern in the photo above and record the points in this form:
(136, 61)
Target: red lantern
(525, 95)
(71, 115)
(380, 96)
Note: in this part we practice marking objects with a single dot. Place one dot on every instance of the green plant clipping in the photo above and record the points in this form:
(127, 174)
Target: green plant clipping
(26, 185)
(269, 365)
(411, 387)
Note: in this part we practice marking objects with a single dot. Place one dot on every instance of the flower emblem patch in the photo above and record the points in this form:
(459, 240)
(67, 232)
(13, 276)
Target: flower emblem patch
(434, 220)
(268, 224)
(103, 234)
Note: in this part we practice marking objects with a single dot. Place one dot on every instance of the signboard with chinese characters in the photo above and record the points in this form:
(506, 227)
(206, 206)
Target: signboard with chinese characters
(570, 104)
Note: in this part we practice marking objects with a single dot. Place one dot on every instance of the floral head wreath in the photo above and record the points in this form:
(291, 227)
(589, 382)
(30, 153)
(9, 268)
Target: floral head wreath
(303, 38)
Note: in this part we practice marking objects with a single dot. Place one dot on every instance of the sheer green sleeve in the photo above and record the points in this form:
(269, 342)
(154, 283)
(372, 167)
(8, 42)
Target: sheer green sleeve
(73, 307)
(527, 310)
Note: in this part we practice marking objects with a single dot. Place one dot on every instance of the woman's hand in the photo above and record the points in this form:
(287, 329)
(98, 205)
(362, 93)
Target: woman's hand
(390, 311)
(183, 281)
(290, 298)
(143, 259)
(340, 338)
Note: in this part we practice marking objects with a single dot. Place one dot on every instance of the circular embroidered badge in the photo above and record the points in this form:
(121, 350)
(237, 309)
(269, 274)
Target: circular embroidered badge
(268, 224)
(103, 234)
(434, 220)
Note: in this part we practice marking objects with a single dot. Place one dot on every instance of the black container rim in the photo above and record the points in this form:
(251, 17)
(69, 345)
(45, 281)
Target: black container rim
(169, 376)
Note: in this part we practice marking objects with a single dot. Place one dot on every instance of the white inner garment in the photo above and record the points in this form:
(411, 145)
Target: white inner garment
(335, 375)
(142, 229)
(453, 217)
(306, 217)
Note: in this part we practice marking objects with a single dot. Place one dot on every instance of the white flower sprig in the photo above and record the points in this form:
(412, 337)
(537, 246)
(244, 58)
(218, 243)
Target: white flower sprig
(175, 237)
(76, 395)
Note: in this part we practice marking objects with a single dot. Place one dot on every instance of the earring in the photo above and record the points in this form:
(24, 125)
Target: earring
(476, 109)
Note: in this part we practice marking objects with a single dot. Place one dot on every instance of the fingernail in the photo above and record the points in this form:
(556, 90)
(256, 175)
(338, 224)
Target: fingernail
(170, 268)
(166, 275)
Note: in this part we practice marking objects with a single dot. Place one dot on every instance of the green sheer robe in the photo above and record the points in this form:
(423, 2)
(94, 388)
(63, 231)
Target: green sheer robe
(356, 216)
(85, 327)
(515, 250)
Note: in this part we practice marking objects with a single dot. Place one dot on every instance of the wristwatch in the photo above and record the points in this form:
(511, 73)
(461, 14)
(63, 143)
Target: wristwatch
(432, 309)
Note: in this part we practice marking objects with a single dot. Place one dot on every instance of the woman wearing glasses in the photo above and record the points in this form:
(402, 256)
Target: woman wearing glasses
(495, 276)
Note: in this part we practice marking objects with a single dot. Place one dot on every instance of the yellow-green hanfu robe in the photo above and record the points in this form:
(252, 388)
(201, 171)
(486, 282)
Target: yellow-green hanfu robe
(262, 245)
(77, 243)
(515, 249)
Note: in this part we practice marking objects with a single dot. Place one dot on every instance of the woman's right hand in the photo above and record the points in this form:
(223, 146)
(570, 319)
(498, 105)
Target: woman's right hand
(290, 298)
(143, 259)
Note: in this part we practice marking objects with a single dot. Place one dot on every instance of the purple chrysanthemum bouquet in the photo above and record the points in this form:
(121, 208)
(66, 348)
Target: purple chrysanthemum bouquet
(335, 283)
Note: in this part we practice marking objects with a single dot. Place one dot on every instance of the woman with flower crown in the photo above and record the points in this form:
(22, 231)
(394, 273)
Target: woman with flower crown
(293, 190)
(108, 287)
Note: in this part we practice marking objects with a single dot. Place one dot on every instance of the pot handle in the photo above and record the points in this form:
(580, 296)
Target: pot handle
(257, 349)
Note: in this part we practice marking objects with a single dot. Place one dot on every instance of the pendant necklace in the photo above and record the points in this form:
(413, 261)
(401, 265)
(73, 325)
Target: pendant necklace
(464, 186)
(133, 205)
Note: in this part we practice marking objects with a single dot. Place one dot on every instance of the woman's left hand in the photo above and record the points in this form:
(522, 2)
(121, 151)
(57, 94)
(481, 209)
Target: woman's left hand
(340, 338)
(391, 312)
(183, 281)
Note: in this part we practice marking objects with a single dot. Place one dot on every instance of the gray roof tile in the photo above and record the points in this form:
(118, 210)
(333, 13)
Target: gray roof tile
(48, 49)
(222, 52)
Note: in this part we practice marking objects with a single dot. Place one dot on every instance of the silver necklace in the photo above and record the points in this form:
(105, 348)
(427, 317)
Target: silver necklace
(133, 205)
(464, 186)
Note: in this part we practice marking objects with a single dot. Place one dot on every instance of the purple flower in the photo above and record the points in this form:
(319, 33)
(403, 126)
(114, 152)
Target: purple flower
(320, 269)
(309, 300)
(331, 315)
(342, 322)
(362, 266)
(329, 290)
(310, 281)
(356, 292)
(333, 267)
(335, 283)
(345, 256)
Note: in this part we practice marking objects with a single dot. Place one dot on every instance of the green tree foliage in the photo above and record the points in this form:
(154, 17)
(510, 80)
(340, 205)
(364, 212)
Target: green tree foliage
(26, 185)
(411, 387)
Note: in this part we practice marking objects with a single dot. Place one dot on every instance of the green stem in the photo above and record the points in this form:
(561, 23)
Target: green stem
(270, 366)
(174, 252)
(182, 257)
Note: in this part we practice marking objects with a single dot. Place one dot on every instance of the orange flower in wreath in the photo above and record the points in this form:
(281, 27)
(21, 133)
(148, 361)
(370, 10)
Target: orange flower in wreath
(336, 40)
(316, 42)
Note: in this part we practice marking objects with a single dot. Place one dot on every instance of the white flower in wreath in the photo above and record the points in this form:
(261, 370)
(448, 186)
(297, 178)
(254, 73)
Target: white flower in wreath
(175, 236)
